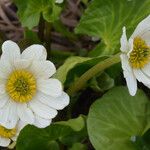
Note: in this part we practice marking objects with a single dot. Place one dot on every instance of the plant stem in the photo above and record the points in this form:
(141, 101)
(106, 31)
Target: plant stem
(48, 37)
(41, 28)
(80, 82)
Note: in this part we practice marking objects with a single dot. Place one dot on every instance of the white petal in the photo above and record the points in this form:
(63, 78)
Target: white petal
(141, 76)
(147, 85)
(146, 69)
(56, 103)
(5, 68)
(35, 52)
(25, 114)
(124, 41)
(125, 63)
(59, 1)
(131, 83)
(9, 115)
(19, 127)
(22, 63)
(11, 51)
(128, 74)
(130, 47)
(42, 110)
(142, 28)
(42, 123)
(62, 101)
(50, 87)
(44, 69)
(3, 100)
(146, 37)
(14, 138)
(4, 142)
(2, 88)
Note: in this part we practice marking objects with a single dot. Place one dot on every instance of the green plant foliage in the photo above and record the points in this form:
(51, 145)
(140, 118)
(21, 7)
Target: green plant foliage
(58, 57)
(29, 11)
(142, 142)
(102, 82)
(78, 146)
(105, 19)
(76, 125)
(63, 70)
(115, 118)
(75, 66)
(30, 38)
(67, 133)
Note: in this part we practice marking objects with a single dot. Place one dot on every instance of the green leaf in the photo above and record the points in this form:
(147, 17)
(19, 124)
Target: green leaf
(78, 146)
(53, 145)
(76, 124)
(29, 11)
(80, 68)
(52, 13)
(32, 138)
(75, 66)
(142, 142)
(30, 38)
(102, 82)
(63, 30)
(105, 19)
(63, 70)
(115, 118)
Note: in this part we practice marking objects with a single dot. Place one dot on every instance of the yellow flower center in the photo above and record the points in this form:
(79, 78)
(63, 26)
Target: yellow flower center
(140, 54)
(21, 86)
(7, 133)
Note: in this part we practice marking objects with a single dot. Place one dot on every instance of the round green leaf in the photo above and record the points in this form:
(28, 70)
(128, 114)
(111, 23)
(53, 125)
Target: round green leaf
(116, 118)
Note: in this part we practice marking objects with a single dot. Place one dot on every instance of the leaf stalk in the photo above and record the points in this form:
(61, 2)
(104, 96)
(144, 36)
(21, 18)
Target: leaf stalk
(81, 81)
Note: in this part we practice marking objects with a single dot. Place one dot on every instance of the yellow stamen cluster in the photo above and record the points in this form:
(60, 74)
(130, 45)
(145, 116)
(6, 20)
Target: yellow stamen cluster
(21, 86)
(140, 54)
(7, 133)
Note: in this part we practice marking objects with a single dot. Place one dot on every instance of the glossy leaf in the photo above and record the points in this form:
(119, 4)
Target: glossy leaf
(106, 18)
(116, 117)
(63, 70)
(67, 133)
(75, 66)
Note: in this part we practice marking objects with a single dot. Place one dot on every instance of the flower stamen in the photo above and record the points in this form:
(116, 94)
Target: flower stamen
(7, 133)
(21, 86)
(140, 54)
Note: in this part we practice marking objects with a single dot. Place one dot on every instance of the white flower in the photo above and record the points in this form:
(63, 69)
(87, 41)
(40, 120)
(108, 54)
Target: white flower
(6, 135)
(27, 92)
(59, 1)
(135, 56)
